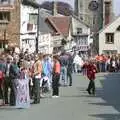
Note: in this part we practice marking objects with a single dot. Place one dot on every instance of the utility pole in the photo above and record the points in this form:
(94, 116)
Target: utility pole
(38, 31)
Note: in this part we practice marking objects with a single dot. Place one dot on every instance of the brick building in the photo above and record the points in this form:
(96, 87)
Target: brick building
(9, 23)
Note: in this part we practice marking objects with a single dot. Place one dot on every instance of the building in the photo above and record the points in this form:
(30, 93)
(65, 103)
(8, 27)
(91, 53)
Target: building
(28, 25)
(9, 23)
(61, 31)
(45, 38)
(109, 38)
(108, 14)
(95, 13)
(83, 12)
(81, 36)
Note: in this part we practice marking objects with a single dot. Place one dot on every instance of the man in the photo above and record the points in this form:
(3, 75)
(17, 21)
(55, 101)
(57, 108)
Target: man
(7, 82)
(70, 69)
(37, 76)
(14, 74)
(64, 65)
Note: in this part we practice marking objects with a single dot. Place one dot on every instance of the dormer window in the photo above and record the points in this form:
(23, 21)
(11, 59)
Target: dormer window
(79, 30)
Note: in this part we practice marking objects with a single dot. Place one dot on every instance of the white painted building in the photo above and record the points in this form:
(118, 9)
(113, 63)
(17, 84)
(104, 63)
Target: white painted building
(81, 35)
(109, 38)
(45, 45)
(28, 26)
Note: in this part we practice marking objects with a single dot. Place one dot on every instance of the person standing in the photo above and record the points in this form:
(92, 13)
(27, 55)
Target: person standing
(70, 69)
(2, 71)
(36, 78)
(14, 74)
(7, 81)
(56, 77)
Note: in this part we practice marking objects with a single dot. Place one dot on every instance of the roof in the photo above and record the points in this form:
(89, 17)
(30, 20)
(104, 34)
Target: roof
(61, 24)
(77, 18)
(106, 26)
(45, 13)
(43, 26)
(30, 3)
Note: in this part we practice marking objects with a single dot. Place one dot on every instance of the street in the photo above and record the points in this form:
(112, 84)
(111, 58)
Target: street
(74, 102)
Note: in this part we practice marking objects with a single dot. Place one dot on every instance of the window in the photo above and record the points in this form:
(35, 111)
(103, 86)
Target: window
(6, 2)
(33, 19)
(79, 30)
(4, 16)
(109, 38)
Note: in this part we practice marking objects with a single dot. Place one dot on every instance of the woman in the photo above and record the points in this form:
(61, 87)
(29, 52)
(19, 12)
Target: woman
(56, 77)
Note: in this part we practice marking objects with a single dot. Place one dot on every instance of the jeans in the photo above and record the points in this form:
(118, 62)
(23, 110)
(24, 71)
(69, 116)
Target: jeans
(63, 75)
(36, 84)
(91, 86)
(69, 76)
(55, 84)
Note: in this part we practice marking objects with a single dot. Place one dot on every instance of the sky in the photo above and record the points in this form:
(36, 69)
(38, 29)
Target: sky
(71, 2)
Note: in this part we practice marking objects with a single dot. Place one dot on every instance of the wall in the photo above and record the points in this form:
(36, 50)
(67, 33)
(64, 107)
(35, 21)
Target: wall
(27, 38)
(13, 27)
(77, 24)
(110, 28)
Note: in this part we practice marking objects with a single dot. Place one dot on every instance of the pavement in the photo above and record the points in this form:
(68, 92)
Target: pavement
(74, 102)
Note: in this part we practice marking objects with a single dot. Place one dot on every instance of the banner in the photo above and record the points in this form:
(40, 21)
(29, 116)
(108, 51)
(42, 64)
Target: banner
(22, 93)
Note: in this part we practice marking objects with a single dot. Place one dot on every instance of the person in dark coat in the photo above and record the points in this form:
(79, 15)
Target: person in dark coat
(14, 73)
(70, 69)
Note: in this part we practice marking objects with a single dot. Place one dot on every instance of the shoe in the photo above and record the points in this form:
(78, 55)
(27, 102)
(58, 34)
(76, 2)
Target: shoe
(55, 96)
(35, 102)
(88, 92)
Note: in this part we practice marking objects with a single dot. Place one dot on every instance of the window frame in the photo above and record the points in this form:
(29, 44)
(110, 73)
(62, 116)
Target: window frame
(107, 36)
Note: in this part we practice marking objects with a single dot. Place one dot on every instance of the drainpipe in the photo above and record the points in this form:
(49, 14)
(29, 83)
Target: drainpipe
(38, 31)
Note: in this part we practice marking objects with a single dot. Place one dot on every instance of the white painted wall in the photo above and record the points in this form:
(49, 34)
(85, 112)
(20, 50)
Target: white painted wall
(111, 28)
(45, 45)
(25, 11)
(77, 24)
(83, 40)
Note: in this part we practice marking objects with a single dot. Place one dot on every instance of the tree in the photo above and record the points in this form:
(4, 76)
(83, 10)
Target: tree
(62, 7)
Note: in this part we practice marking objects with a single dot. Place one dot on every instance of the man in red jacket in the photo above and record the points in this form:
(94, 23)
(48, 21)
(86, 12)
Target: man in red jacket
(91, 71)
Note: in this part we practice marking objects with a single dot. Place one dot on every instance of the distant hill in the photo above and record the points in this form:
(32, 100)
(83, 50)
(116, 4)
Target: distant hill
(62, 8)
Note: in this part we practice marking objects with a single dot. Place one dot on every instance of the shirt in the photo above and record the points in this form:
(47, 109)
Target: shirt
(57, 67)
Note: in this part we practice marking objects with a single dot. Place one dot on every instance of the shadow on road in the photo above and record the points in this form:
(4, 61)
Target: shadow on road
(110, 93)
(107, 116)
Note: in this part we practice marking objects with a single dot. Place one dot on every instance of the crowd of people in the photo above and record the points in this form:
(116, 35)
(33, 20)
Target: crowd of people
(25, 77)
(38, 69)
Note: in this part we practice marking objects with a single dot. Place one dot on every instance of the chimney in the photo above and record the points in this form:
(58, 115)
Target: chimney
(54, 8)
